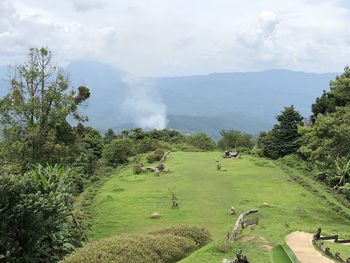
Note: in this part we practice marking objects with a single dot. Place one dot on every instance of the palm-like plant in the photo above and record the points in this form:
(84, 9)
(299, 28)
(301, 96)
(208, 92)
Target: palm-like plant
(342, 170)
(51, 178)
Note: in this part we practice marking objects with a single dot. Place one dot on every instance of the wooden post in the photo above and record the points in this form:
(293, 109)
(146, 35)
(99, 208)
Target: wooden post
(234, 233)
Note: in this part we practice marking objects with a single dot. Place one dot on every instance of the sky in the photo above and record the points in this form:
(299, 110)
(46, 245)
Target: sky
(181, 37)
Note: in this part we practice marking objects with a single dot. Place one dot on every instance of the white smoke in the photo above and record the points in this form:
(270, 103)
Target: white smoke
(143, 104)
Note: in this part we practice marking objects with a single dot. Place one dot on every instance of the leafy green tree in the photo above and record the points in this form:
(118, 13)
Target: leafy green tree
(118, 151)
(266, 143)
(109, 136)
(324, 104)
(338, 96)
(235, 139)
(146, 145)
(328, 138)
(284, 138)
(124, 134)
(90, 147)
(137, 134)
(285, 134)
(35, 112)
(201, 141)
(167, 135)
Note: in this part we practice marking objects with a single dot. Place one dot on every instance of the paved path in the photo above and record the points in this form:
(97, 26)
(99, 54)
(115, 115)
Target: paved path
(300, 243)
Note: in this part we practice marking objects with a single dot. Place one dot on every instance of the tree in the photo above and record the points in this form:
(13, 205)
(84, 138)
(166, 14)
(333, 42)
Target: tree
(90, 147)
(338, 96)
(234, 139)
(35, 112)
(201, 141)
(328, 138)
(109, 136)
(267, 145)
(284, 137)
(118, 151)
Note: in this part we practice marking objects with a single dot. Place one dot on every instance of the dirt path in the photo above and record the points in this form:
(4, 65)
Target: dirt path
(300, 243)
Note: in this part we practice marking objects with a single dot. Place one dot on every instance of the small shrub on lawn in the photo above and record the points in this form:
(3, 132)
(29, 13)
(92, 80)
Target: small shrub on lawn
(199, 235)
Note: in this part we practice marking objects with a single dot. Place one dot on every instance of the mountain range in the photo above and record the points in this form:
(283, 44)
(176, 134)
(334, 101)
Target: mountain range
(246, 101)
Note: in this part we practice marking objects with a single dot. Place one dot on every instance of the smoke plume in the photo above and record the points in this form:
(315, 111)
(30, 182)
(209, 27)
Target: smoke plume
(143, 105)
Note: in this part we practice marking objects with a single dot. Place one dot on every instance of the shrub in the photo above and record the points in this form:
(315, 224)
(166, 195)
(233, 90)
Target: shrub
(294, 161)
(199, 235)
(147, 145)
(144, 248)
(118, 151)
(156, 156)
(201, 141)
(233, 139)
(33, 219)
(185, 147)
(137, 169)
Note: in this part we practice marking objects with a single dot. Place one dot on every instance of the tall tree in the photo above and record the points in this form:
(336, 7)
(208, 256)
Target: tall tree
(338, 96)
(35, 113)
(284, 137)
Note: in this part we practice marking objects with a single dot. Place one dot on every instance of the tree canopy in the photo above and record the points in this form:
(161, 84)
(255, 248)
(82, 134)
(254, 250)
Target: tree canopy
(37, 111)
(284, 137)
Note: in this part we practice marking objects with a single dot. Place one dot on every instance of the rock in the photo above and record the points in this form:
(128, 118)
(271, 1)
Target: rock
(265, 204)
(155, 215)
(231, 211)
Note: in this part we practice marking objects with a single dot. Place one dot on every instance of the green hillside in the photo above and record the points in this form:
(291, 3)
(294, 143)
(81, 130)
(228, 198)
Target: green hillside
(125, 202)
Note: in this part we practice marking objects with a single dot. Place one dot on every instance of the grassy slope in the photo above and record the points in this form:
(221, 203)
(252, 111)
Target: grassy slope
(125, 202)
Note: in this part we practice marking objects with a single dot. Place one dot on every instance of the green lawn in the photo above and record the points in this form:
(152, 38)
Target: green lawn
(343, 249)
(124, 203)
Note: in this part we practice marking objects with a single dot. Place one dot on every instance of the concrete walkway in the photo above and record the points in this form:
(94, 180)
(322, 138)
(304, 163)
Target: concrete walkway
(300, 244)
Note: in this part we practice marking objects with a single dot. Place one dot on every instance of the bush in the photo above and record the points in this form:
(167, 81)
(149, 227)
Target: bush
(232, 139)
(156, 156)
(201, 141)
(166, 245)
(147, 145)
(294, 161)
(33, 221)
(199, 235)
(185, 147)
(145, 248)
(118, 151)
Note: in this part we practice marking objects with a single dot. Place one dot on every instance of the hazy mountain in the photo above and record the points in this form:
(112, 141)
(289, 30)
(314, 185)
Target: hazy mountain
(245, 101)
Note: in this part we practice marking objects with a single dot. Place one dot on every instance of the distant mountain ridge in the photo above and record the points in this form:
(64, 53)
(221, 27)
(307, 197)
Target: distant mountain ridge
(247, 101)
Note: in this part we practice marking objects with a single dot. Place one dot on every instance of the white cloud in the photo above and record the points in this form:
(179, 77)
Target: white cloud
(165, 37)
(87, 5)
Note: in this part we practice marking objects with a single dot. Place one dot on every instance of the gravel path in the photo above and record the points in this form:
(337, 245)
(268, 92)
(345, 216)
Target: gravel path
(300, 244)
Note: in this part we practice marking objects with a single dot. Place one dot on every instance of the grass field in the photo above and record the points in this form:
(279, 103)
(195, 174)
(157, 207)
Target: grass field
(124, 203)
(343, 249)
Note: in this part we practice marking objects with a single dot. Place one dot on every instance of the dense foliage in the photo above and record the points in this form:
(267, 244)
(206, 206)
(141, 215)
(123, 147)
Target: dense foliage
(284, 138)
(328, 137)
(233, 139)
(157, 155)
(338, 96)
(201, 141)
(35, 220)
(34, 114)
(321, 145)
